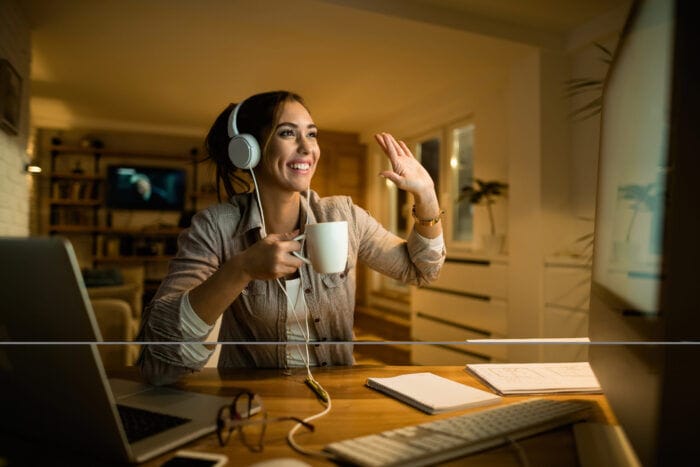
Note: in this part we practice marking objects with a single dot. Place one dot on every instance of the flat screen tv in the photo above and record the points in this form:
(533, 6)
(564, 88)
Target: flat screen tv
(645, 299)
(144, 187)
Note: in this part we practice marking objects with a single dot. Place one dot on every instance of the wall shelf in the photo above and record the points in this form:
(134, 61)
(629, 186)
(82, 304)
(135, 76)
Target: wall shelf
(63, 149)
(136, 259)
(71, 176)
(75, 202)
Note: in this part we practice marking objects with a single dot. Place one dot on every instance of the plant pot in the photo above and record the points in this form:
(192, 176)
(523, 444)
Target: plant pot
(492, 244)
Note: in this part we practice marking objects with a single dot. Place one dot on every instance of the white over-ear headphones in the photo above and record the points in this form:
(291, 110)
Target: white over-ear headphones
(243, 149)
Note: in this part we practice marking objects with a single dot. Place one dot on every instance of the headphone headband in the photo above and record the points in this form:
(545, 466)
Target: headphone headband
(232, 120)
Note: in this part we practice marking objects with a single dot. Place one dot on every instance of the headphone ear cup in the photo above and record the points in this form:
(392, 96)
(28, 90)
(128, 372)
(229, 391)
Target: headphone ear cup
(244, 151)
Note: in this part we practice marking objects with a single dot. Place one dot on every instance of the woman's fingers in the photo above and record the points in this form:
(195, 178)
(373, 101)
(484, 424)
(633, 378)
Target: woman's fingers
(272, 257)
(407, 172)
(379, 137)
(395, 153)
(407, 152)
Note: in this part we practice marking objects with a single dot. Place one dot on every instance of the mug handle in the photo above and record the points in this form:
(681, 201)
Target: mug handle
(296, 253)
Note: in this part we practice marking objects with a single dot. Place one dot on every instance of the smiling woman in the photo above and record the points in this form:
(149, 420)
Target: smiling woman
(239, 261)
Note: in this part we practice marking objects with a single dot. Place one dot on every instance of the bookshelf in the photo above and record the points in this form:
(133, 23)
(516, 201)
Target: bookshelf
(78, 209)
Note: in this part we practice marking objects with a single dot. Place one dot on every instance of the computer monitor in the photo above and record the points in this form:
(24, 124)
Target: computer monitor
(645, 294)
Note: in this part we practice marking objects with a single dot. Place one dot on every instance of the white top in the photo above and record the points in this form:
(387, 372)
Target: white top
(297, 317)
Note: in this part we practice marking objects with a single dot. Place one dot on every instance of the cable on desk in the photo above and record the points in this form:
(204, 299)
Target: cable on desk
(322, 395)
(519, 451)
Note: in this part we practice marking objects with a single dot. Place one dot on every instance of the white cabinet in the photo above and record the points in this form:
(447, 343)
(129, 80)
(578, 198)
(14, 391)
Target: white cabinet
(468, 301)
(567, 285)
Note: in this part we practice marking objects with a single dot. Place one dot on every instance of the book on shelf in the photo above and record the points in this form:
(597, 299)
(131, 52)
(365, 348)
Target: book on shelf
(61, 189)
(432, 393)
(537, 378)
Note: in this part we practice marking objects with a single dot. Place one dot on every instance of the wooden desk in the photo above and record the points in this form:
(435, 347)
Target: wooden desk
(356, 410)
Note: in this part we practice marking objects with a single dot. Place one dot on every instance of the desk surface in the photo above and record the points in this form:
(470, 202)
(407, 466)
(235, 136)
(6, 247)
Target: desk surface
(356, 410)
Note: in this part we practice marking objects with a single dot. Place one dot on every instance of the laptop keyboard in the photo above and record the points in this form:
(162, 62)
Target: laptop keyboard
(139, 423)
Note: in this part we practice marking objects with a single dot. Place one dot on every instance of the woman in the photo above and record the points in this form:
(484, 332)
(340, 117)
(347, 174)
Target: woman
(229, 264)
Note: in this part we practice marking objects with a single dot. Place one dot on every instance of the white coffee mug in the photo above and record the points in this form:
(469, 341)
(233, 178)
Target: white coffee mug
(327, 246)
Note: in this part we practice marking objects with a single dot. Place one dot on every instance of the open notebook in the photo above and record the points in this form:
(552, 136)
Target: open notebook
(432, 393)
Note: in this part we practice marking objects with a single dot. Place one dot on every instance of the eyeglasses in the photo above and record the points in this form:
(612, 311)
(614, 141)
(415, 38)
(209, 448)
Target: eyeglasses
(237, 416)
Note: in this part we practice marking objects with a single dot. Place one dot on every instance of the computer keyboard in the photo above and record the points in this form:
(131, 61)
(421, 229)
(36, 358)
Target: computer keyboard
(139, 423)
(449, 438)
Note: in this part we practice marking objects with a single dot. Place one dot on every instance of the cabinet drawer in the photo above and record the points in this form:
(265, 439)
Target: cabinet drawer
(489, 280)
(491, 316)
(428, 330)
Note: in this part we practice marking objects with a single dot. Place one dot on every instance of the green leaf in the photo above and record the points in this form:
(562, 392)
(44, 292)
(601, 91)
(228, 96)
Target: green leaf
(481, 191)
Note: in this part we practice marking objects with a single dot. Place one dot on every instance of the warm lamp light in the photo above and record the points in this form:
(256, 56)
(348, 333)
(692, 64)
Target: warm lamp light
(32, 168)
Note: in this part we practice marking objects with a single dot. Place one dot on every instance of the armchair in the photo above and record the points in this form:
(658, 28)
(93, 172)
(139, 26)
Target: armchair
(118, 310)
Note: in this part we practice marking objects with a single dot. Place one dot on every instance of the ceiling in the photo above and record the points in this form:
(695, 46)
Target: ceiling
(171, 66)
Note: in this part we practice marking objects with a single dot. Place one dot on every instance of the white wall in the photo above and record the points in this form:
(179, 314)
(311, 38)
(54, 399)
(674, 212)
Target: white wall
(525, 241)
(15, 185)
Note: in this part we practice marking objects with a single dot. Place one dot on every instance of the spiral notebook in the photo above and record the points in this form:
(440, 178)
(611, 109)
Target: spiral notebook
(432, 393)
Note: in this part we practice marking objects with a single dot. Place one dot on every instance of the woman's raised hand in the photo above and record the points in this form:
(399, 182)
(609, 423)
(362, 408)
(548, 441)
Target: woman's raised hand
(407, 173)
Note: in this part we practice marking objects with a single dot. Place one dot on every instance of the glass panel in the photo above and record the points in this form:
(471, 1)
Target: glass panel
(399, 212)
(462, 173)
(428, 153)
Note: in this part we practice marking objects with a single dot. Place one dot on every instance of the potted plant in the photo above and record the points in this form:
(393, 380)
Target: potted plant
(486, 193)
(583, 86)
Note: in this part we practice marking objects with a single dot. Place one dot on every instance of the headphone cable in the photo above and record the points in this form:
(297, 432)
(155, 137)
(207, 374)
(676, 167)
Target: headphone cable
(310, 381)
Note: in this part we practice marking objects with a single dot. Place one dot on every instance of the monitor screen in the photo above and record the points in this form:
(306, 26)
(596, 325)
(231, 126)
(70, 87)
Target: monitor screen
(644, 320)
(137, 187)
(633, 163)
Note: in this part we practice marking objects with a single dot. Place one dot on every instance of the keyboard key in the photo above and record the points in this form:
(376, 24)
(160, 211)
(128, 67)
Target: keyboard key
(139, 424)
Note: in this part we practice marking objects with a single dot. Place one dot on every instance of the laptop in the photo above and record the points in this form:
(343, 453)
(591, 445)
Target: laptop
(54, 386)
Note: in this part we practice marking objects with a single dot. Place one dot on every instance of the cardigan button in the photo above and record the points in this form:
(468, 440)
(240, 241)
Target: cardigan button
(317, 320)
(342, 275)
(307, 290)
(324, 363)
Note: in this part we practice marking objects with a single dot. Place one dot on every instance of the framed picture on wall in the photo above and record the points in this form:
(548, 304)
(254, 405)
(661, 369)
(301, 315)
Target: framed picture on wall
(10, 97)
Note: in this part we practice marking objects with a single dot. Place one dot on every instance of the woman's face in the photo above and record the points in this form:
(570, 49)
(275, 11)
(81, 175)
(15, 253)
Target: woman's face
(293, 152)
